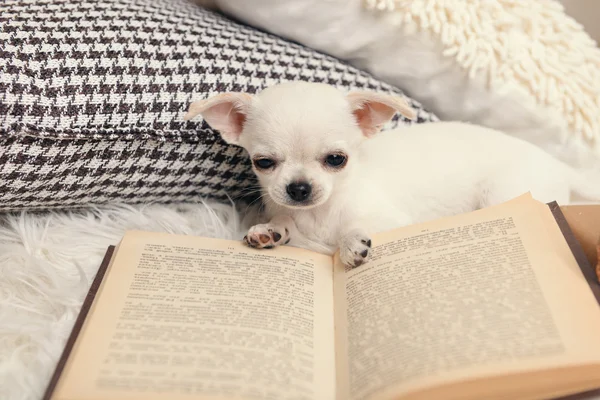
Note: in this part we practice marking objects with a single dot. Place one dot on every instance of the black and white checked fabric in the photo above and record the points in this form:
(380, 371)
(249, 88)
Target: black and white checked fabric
(92, 95)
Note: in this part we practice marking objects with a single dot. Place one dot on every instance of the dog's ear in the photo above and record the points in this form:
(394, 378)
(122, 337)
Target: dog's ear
(373, 110)
(224, 112)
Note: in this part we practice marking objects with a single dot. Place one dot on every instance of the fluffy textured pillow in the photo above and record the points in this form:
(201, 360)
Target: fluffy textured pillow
(92, 95)
(524, 67)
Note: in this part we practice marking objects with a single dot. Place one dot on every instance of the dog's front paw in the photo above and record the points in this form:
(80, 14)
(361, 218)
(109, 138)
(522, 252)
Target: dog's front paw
(267, 236)
(355, 249)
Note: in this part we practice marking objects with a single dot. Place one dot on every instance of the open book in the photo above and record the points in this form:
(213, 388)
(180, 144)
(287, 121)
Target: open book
(492, 304)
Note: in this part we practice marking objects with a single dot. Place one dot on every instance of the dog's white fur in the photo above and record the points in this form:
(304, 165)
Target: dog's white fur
(396, 178)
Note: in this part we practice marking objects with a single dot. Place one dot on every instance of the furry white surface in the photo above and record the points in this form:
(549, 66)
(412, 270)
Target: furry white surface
(47, 263)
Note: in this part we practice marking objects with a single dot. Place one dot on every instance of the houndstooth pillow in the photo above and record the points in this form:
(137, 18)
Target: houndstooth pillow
(92, 95)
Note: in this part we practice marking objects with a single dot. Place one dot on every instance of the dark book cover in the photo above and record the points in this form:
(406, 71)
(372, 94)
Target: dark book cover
(85, 308)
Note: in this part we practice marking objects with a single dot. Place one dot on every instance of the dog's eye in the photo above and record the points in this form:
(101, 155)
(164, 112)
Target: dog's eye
(264, 163)
(335, 160)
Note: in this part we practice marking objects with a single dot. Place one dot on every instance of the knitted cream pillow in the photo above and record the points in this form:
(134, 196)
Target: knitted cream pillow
(524, 67)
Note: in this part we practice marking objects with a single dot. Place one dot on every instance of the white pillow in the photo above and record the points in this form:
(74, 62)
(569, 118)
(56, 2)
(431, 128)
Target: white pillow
(523, 67)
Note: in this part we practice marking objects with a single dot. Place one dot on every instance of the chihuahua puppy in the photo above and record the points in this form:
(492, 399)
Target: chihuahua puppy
(330, 179)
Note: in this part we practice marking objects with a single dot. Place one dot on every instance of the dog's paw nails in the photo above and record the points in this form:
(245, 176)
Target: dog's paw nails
(266, 236)
(355, 250)
(250, 241)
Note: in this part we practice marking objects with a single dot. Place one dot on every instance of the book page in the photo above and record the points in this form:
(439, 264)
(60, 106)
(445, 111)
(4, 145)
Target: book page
(492, 292)
(181, 317)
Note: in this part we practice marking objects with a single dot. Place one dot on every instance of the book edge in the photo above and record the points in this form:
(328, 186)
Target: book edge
(588, 272)
(85, 308)
(584, 265)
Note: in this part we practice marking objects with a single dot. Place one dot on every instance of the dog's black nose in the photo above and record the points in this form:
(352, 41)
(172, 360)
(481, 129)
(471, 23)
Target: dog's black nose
(299, 191)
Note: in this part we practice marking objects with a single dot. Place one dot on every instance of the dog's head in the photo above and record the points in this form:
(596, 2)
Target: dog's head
(301, 137)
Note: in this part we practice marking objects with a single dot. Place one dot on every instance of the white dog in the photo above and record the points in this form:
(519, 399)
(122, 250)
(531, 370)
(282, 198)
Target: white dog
(330, 179)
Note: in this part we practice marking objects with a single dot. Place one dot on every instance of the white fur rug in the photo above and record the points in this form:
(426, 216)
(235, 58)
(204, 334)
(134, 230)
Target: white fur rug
(47, 263)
